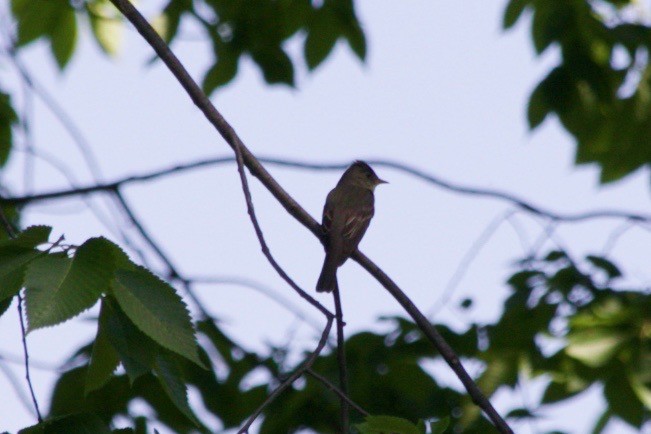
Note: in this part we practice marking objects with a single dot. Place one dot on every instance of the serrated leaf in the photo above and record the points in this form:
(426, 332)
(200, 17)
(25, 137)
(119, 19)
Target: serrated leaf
(157, 310)
(32, 236)
(59, 288)
(63, 36)
(71, 424)
(104, 358)
(387, 424)
(170, 377)
(13, 262)
(136, 350)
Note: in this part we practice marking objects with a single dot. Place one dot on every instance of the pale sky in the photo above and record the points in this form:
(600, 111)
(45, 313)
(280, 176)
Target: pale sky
(443, 89)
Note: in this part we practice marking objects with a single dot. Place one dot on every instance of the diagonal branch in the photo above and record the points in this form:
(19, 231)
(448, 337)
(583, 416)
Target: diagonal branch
(244, 156)
(338, 392)
(305, 367)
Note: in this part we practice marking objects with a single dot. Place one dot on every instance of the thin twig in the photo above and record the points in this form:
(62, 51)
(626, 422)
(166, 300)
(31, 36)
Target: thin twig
(293, 208)
(26, 355)
(16, 384)
(11, 233)
(262, 289)
(341, 360)
(307, 364)
(338, 392)
(467, 259)
(447, 185)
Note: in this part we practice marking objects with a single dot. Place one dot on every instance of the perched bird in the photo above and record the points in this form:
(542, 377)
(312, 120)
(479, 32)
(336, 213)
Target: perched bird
(346, 215)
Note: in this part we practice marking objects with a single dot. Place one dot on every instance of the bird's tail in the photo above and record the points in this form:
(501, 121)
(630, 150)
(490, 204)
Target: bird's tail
(328, 279)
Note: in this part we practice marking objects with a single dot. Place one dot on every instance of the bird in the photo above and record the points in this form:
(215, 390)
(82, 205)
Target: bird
(347, 214)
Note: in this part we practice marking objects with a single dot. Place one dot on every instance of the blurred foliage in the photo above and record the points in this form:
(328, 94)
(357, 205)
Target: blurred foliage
(259, 29)
(601, 88)
(562, 323)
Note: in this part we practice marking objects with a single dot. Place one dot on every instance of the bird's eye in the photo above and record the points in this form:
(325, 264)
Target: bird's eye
(368, 175)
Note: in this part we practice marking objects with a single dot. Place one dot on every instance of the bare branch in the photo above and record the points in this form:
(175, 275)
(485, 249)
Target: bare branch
(338, 392)
(429, 178)
(307, 364)
(11, 233)
(341, 359)
(26, 356)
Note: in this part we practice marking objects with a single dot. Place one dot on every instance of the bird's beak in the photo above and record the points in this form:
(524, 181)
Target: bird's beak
(381, 181)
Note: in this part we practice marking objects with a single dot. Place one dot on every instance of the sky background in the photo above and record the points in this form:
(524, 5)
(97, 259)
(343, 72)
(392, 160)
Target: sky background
(443, 89)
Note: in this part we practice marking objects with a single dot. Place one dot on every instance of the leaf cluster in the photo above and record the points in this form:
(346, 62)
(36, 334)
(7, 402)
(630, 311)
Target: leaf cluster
(600, 90)
(258, 29)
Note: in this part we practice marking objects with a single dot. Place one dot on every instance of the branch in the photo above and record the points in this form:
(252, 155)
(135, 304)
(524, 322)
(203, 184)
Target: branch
(338, 392)
(341, 359)
(11, 233)
(244, 156)
(297, 373)
(405, 168)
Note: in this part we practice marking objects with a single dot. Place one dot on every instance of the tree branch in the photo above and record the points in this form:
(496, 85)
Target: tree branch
(307, 364)
(338, 392)
(341, 359)
(244, 156)
(405, 168)
(11, 233)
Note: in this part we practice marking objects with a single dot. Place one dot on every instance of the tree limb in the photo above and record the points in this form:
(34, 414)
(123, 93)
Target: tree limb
(244, 156)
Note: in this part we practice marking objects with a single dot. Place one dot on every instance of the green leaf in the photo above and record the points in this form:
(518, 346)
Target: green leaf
(104, 358)
(31, 237)
(622, 400)
(136, 350)
(595, 347)
(439, 426)
(170, 377)
(157, 310)
(538, 108)
(8, 118)
(221, 72)
(513, 12)
(602, 422)
(611, 269)
(276, 65)
(322, 35)
(70, 424)
(521, 413)
(59, 288)
(63, 36)
(107, 26)
(34, 22)
(387, 424)
(13, 262)
(4, 305)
